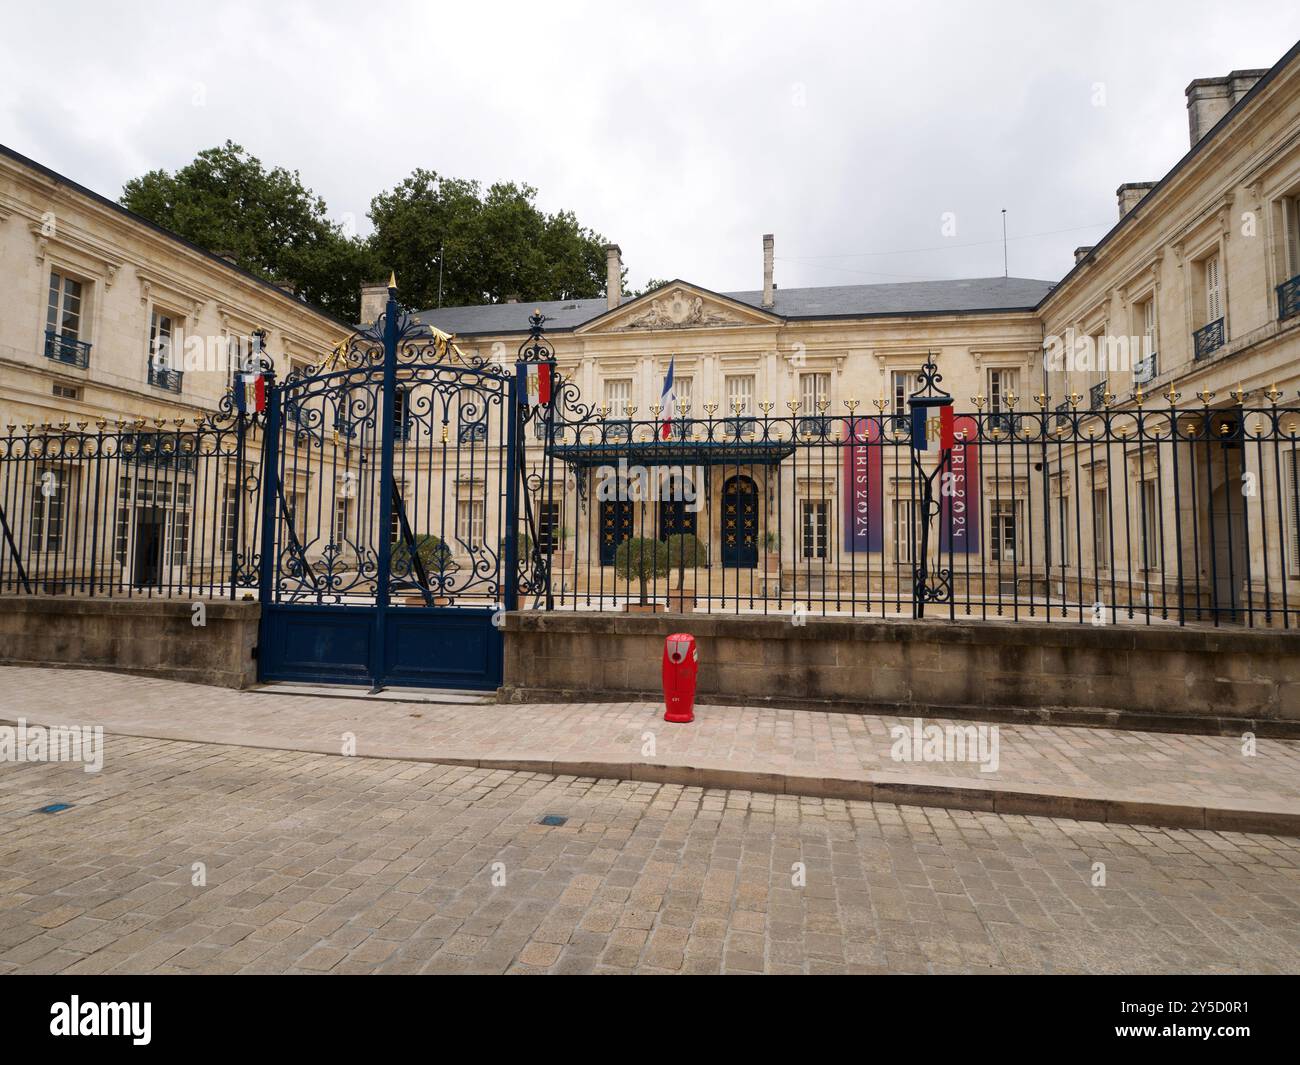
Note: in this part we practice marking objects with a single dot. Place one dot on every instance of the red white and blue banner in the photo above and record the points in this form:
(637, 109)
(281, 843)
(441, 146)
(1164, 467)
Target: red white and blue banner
(537, 387)
(863, 478)
(959, 491)
(250, 393)
(932, 433)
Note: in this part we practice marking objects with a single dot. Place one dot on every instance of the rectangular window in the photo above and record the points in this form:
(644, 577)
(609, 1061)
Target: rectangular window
(1004, 537)
(469, 523)
(1101, 528)
(64, 315)
(684, 387)
(1291, 500)
(814, 388)
(1213, 290)
(618, 395)
(341, 522)
(401, 425)
(161, 330)
(1060, 544)
(907, 531)
(1002, 383)
(740, 392)
(229, 516)
(1150, 518)
(904, 383)
(1291, 226)
(66, 391)
(49, 510)
(815, 527)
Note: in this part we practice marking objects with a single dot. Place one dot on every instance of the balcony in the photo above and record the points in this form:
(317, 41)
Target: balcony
(1063, 414)
(1208, 339)
(1097, 396)
(1145, 370)
(165, 378)
(67, 350)
(1288, 298)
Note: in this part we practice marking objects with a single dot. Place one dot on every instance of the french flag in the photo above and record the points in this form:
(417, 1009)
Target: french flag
(668, 401)
(250, 396)
(924, 436)
(539, 382)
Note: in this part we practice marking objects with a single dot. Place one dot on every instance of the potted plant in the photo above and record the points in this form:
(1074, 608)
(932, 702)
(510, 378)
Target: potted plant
(642, 560)
(434, 556)
(685, 551)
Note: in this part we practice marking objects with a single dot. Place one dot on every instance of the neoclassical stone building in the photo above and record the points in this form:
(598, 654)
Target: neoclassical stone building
(1195, 292)
(93, 293)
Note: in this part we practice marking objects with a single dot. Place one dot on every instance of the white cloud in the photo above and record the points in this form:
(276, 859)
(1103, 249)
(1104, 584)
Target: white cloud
(682, 130)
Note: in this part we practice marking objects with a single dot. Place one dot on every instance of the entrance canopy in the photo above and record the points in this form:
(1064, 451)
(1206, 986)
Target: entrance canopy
(675, 453)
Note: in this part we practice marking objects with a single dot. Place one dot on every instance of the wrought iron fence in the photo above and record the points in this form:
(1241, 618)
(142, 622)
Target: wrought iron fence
(1164, 512)
(1150, 514)
(131, 509)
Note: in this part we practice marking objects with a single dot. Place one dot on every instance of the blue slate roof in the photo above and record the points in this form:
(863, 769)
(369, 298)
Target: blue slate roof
(908, 298)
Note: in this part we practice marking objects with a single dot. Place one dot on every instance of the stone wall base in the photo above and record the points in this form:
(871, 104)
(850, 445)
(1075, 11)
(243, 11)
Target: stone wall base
(153, 638)
(1196, 680)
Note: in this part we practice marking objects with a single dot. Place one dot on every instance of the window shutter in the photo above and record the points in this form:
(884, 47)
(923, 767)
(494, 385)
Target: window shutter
(1212, 300)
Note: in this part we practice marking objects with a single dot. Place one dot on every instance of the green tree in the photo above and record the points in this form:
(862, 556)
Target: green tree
(490, 245)
(641, 560)
(272, 225)
(685, 551)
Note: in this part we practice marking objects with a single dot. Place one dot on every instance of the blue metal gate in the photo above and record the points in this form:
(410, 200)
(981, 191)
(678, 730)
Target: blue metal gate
(390, 513)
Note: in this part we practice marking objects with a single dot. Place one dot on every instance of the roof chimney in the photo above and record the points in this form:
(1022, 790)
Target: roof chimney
(1082, 252)
(1209, 99)
(613, 275)
(769, 288)
(1129, 195)
(374, 298)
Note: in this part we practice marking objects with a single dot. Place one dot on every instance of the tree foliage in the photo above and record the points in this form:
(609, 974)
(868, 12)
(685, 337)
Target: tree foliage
(641, 559)
(489, 244)
(266, 220)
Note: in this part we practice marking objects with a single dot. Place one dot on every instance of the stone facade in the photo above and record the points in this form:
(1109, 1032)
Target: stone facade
(124, 290)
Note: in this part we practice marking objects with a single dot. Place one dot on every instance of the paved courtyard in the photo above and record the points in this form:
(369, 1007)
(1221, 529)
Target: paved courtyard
(322, 863)
(1048, 769)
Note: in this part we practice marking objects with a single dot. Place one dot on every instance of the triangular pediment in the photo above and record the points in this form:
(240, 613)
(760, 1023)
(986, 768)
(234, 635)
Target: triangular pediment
(678, 305)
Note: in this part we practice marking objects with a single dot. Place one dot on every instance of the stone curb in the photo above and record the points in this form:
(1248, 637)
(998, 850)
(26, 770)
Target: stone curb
(1075, 804)
(1065, 716)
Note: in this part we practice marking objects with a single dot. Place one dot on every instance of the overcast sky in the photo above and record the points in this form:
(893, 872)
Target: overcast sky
(681, 131)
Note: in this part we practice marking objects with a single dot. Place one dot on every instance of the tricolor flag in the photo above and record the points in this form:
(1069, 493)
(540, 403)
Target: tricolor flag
(250, 393)
(539, 383)
(929, 433)
(668, 401)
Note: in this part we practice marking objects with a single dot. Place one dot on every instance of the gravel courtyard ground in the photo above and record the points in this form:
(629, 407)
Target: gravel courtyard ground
(318, 863)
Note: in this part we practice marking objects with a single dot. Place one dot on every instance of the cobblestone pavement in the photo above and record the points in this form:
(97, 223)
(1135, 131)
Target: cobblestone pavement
(1120, 765)
(319, 863)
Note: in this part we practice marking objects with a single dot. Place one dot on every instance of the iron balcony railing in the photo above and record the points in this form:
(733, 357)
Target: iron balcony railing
(1209, 338)
(1097, 395)
(165, 377)
(1288, 298)
(67, 349)
(1146, 369)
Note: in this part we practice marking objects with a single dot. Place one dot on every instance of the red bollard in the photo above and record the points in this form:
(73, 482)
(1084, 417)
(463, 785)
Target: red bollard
(681, 662)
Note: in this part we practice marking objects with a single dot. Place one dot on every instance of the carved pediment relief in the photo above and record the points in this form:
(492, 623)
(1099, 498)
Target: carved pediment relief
(680, 306)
